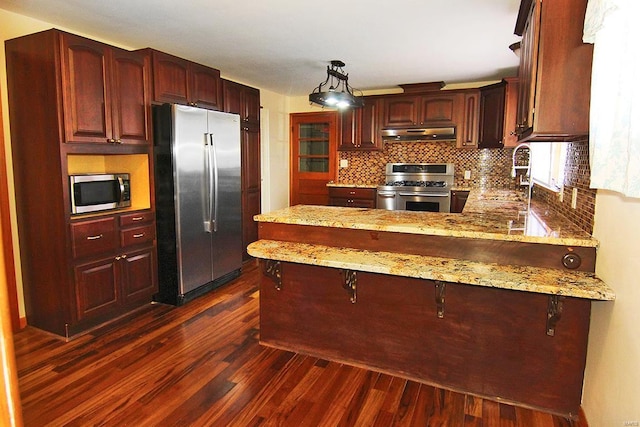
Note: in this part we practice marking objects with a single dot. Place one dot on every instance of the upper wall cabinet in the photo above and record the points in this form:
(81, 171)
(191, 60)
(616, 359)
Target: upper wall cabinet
(177, 80)
(492, 103)
(498, 105)
(360, 127)
(467, 132)
(433, 109)
(242, 100)
(555, 71)
(105, 94)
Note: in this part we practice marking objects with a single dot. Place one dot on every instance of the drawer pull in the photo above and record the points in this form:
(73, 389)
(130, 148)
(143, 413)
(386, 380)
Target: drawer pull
(137, 218)
(99, 236)
(136, 236)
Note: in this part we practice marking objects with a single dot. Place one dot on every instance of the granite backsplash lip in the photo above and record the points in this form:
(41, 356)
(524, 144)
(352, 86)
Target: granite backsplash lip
(488, 214)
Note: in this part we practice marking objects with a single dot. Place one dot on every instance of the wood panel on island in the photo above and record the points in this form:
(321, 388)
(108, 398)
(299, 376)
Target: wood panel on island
(92, 116)
(433, 302)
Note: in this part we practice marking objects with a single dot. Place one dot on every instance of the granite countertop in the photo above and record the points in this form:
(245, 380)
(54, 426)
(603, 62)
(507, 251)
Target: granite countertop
(549, 281)
(488, 214)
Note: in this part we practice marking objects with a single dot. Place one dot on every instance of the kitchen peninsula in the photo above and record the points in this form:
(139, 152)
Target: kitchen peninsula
(494, 301)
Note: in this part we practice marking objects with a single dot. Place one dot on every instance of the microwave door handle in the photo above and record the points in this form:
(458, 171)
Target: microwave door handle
(121, 189)
(213, 179)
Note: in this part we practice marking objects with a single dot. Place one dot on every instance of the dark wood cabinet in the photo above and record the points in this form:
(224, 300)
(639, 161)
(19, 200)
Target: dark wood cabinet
(458, 200)
(401, 111)
(439, 109)
(114, 263)
(352, 197)
(87, 93)
(177, 80)
(467, 136)
(105, 92)
(432, 109)
(360, 127)
(242, 100)
(492, 110)
(554, 72)
(245, 101)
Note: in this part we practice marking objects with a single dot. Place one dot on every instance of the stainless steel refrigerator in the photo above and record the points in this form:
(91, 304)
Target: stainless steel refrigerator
(198, 205)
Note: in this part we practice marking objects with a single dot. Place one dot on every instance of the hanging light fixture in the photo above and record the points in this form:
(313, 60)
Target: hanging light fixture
(338, 94)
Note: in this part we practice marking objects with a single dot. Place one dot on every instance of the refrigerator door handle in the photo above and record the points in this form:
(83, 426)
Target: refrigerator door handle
(207, 190)
(213, 177)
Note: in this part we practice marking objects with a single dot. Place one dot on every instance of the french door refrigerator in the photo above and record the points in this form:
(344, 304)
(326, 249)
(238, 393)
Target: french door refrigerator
(198, 205)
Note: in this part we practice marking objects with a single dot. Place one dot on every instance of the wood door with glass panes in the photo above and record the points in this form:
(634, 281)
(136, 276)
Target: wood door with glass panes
(313, 142)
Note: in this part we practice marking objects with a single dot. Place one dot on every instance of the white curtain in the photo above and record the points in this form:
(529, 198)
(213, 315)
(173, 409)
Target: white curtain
(613, 26)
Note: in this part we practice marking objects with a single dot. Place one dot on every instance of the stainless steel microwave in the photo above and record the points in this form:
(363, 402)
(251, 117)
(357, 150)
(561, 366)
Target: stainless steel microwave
(98, 192)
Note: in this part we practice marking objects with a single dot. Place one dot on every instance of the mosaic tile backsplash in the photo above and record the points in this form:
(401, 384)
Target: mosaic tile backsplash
(577, 174)
(490, 168)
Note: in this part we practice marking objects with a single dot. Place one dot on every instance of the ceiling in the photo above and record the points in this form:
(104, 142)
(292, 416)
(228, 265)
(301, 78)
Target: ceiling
(285, 45)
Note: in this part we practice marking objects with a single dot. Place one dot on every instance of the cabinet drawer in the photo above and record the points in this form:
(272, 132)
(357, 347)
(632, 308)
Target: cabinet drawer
(136, 218)
(93, 236)
(352, 193)
(138, 235)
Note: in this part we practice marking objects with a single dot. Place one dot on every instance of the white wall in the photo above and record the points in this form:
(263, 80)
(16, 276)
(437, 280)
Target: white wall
(274, 150)
(611, 395)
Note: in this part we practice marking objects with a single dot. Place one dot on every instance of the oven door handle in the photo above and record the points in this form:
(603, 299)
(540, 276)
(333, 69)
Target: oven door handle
(425, 194)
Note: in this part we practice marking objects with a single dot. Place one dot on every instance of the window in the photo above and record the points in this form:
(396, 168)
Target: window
(547, 164)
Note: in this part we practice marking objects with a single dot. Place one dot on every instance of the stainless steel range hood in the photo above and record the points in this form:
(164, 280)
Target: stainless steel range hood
(420, 134)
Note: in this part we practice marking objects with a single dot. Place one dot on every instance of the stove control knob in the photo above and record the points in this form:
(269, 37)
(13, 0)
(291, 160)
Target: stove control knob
(571, 260)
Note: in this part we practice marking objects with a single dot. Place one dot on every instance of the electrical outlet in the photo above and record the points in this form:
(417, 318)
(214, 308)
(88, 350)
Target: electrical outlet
(344, 163)
(467, 174)
(561, 195)
(574, 198)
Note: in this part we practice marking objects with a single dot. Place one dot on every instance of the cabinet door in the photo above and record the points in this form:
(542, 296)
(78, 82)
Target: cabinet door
(170, 81)
(138, 275)
(232, 97)
(369, 127)
(86, 98)
(401, 111)
(492, 105)
(96, 288)
(250, 186)
(205, 87)
(439, 110)
(131, 115)
(528, 68)
(349, 135)
(250, 102)
(510, 112)
(468, 132)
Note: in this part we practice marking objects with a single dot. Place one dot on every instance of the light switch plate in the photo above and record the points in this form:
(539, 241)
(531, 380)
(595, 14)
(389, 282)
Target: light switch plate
(344, 163)
(467, 174)
(574, 198)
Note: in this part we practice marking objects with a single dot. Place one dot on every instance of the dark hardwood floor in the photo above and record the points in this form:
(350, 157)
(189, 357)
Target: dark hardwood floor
(202, 365)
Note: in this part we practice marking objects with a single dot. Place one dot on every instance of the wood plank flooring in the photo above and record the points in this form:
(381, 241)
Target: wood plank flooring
(202, 365)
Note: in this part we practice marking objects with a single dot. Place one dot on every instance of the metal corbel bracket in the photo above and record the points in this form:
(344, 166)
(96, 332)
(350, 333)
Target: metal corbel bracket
(350, 283)
(554, 312)
(273, 270)
(440, 290)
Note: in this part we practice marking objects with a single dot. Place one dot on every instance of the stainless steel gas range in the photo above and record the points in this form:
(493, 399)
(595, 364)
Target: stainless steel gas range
(417, 187)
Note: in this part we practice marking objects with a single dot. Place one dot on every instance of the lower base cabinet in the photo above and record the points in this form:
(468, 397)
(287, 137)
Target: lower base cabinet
(114, 269)
(352, 197)
(484, 341)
